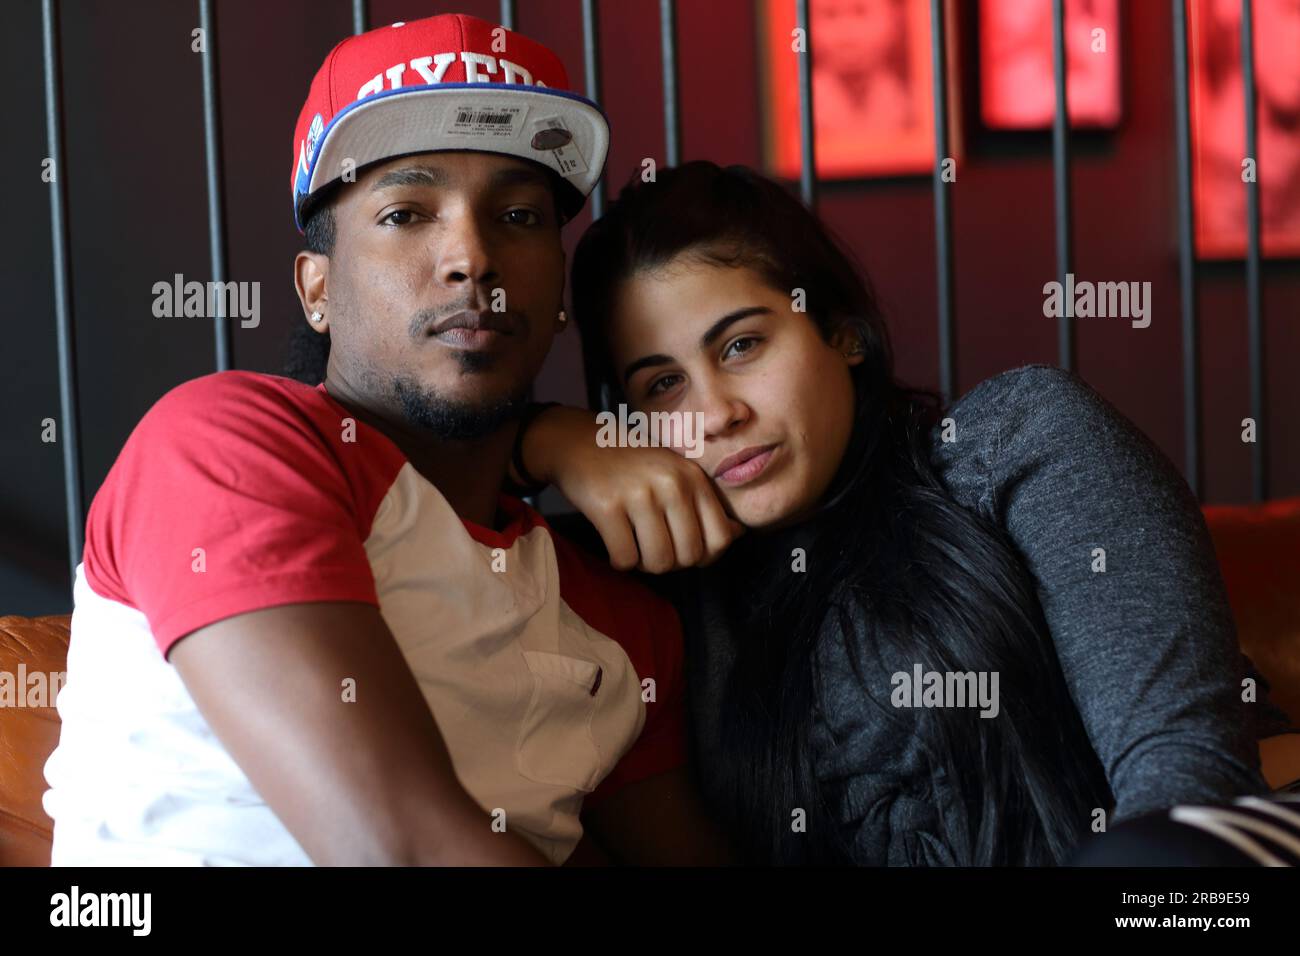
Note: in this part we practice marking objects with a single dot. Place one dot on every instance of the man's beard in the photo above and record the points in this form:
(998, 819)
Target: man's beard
(450, 420)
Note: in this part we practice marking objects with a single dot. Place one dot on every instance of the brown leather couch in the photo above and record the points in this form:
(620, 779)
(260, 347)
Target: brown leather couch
(27, 737)
(1258, 549)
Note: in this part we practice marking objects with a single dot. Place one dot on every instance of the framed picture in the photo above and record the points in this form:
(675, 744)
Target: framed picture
(1218, 118)
(873, 103)
(1017, 75)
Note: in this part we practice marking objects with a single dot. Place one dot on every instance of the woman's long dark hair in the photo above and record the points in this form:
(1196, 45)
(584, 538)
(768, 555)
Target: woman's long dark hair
(937, 584)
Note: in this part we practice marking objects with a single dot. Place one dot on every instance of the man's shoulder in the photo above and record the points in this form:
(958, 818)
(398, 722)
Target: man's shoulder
(238, 395)
(257, 417)
(246, 437)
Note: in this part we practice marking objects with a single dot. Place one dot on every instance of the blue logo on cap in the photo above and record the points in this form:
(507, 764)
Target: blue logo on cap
(313, 136)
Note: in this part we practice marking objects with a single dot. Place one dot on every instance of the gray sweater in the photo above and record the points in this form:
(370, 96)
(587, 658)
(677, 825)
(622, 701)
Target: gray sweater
(1148, 646)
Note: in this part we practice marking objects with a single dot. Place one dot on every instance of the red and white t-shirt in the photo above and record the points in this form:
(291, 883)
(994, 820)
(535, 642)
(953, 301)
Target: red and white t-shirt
(239, 491)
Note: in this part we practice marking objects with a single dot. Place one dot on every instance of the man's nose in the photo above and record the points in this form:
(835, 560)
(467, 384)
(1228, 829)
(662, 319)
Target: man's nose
(465, 258)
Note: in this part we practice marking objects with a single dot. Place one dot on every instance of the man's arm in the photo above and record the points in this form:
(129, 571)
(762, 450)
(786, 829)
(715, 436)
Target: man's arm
(659, 821)
(363, 782)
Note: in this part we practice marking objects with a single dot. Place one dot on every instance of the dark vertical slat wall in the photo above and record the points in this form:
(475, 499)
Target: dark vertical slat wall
(68, 433)
(1192, 464)
(598, 396)
(69, 408)
(591, 67)
(942, 208)
(1254, 318)
(807, 141)
(212, 172)
(1061, 182)
(672, 115)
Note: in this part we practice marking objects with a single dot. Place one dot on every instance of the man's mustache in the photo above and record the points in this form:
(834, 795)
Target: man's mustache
(428, 322)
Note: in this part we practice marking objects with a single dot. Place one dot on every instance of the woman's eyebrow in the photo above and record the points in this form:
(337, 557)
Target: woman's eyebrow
(641, 363)
(720, 326)
(710, 336)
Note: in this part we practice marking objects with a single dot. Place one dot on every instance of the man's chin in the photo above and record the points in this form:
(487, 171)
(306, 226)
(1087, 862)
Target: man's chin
(452, 417)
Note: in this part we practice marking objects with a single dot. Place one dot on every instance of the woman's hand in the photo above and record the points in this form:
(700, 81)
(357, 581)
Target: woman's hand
(655, 510)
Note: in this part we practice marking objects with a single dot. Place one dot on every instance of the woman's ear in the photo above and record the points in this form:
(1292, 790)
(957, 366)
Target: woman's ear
(848, 342)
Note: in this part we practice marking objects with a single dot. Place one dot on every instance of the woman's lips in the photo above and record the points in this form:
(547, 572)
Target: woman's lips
(744, 466)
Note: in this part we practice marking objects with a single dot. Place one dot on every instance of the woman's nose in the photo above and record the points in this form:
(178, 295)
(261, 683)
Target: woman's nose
(722, 410)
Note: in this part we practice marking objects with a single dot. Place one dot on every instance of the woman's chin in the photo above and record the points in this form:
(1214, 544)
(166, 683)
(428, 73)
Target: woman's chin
(763, 508)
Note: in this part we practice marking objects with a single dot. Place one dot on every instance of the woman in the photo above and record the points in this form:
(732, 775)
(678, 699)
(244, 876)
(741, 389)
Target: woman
(965, 637)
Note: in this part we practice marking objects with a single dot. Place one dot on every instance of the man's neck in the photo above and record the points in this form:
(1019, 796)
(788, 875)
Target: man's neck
(469, 474)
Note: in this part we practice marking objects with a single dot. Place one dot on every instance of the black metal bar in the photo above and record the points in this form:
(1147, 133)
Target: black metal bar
(597, 397)
(1061, 177)
(591, 67)
(807, 140)
(672, 117)
(942, 208)
(1187, 259)
(212, 164)
(508, 14)
(359, 16)
(69, 405)
(1254, 314)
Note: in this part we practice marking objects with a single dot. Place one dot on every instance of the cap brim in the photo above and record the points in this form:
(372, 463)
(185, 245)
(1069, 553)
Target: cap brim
(488, 117)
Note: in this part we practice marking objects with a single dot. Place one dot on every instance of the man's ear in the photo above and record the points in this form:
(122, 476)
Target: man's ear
(311, 279)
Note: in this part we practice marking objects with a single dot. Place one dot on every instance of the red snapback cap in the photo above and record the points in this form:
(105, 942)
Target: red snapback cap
(447, 82)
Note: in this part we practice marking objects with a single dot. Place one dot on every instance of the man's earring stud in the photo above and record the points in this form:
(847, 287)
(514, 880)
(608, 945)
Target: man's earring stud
(562, 318)
(316, 316)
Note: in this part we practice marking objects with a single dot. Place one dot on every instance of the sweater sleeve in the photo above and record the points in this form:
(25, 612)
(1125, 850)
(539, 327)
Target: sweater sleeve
(1128, 581)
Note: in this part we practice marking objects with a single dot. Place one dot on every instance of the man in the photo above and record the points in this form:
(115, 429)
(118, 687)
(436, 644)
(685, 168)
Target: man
(308, 629)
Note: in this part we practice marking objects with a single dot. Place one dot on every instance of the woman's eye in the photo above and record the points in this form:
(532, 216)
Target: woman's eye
(523, 222)
(741, 345)
(409, 214)
(662, 384)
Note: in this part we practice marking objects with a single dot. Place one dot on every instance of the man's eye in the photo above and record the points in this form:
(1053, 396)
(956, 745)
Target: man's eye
(662, 384)
(409, 214)
(735, 348)
(523, 222)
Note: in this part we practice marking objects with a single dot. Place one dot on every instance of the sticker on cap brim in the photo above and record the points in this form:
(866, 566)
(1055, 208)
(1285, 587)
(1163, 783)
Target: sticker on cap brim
(478, 119)
(550, 135)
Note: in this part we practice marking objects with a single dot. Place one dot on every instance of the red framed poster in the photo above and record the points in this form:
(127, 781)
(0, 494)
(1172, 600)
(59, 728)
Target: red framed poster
(1017, 76)
(1218, 119)
(873, 103)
